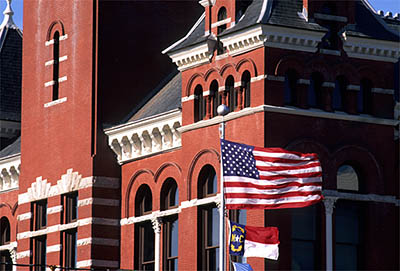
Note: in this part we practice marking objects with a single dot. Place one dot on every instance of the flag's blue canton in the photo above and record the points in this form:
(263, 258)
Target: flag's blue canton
(238, 235)
(238, 160)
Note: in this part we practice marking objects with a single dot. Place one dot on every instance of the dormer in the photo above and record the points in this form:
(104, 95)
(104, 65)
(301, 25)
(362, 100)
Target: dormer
(222, 14)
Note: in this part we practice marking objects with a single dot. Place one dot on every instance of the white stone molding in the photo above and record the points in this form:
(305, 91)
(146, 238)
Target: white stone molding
(275, 78)
(258, 78)
(303, 81)
(69, 182)
(188, 98)
(54, 209)
(330, 52)
(145, 137)
(54, 248)
(9, 246)
(361, 197)
(9, 172)
(353, 87)
(225, 21)
(59, 101)
(243, 41)
(160, 214)
(365, 48)
(98, 241)
(24, 216)
(383, 91)
(72, 180)
(63, 227)
(23, 254)
(51, 62)
(51, 42)
(328, 85)
(94, 262)
(156, 222)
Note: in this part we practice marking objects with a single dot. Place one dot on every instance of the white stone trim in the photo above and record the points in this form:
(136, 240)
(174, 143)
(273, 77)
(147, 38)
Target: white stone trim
(94, 262)
(69, 182)
(328, 85)
(9, 172)
(8, 246)
(51, 62)
(243, 40)
(275, 78)
(288, 110)
(361, 197)
(138, 139)
(383, 91)
(62, 227)
(51, 42)
(98, 241)
(59, 101)
(62, 79)
(303, 81)
(24, 216)
(98, 201)
(371, 49)
(188, 98)
(330, 17)
(258, 78)
(54, 248)
(160, 214)
(206, 93)
(23, 254)
(49, 83)
(353, 87)
(330, 52)
(225, 21)
(54, 209)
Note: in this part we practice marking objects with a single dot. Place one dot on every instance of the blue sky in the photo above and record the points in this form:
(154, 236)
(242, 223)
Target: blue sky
(385, 5)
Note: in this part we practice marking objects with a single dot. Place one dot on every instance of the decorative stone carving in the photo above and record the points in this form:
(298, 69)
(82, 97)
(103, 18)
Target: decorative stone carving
(156, 222)
(69, 182)
(39, 189)
(329, 203)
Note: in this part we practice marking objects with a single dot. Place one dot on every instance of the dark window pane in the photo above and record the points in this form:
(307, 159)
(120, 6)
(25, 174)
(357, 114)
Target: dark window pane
(302, 255)
(345, 257)
(174, 239)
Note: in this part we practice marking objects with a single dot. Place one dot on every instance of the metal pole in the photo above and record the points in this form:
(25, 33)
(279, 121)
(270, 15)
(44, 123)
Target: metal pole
(222, 111)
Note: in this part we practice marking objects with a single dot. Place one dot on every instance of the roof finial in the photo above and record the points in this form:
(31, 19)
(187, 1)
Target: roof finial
(8, 13)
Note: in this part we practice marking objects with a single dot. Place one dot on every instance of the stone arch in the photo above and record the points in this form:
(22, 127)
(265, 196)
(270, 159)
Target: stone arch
(227, 70)
(349, 71)
(365, 164)
(213, 74)
(55, 26)
(128, 196)
(247, 64)
(202, 158)
(286, 63)
(195, 79)
(164, 167)
(319, 66)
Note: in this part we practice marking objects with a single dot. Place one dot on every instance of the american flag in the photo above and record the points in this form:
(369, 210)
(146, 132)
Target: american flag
(269, 178)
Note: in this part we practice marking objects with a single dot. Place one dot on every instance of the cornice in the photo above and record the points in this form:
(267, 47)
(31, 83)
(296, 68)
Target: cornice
(371, 49)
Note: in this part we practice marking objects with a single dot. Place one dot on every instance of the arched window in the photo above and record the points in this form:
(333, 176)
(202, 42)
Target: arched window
(169, 200)
(56, 67)
(169, 194)
(315, 90)
(208, 222)
(339, 93)
(347, 178)
(290, 94)
(230, 90)
(198, 103)
(5, 239)
(246, 85)
(144, 233)
(364, 101)
(5, 231)
(222, 15)
(215, 97)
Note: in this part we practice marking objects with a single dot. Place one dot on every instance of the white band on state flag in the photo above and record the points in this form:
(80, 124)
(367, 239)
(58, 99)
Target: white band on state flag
(255, 249)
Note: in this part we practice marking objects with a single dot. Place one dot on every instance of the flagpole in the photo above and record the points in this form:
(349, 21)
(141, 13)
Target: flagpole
(222, 111)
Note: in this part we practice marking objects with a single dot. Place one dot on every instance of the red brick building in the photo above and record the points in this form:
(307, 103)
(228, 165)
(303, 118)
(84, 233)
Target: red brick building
(119, 153)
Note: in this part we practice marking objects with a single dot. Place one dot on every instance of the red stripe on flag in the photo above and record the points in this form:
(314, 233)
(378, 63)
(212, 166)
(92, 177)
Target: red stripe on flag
(308, 165)
(283, 151)
(289, 176)
(278, 186)
(281, 160)
(273, 196)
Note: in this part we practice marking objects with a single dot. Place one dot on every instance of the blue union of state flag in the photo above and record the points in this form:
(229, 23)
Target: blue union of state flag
(237, 238)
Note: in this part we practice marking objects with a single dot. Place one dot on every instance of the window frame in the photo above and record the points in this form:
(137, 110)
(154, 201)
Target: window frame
(39, 217)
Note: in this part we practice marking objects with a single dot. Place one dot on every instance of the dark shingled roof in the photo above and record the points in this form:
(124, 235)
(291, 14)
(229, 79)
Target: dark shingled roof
(166, 99)
(288, 13)
(10, 73)
(11, 149)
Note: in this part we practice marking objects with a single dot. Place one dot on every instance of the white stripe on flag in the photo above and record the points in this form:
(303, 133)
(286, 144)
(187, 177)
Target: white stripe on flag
(290, 171)
(252, 190)
(282, 155)
(255, 249)
(274, 182)
(256, 201)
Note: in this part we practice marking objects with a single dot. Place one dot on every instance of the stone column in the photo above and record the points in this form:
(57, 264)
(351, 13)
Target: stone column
(157, 231)
(329, 203)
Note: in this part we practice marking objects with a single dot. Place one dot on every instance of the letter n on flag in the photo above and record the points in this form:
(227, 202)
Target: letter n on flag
(269, 178)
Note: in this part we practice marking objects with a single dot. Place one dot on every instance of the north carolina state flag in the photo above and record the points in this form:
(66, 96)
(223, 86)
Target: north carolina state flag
(249, 241)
